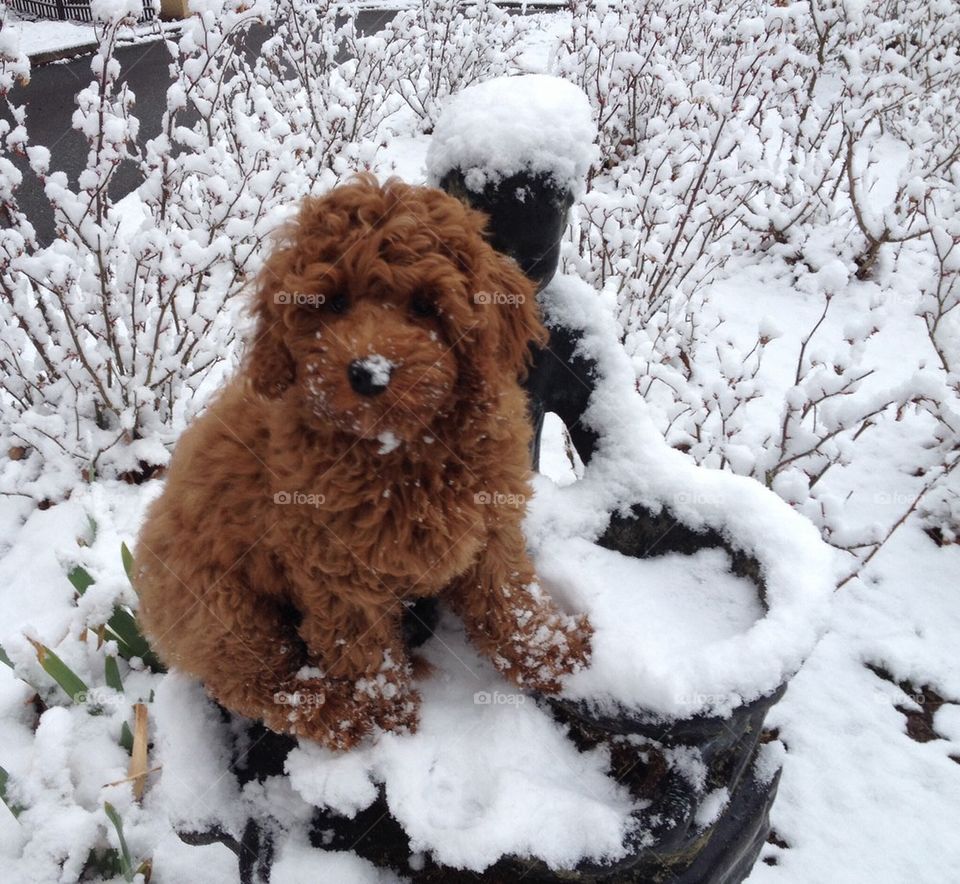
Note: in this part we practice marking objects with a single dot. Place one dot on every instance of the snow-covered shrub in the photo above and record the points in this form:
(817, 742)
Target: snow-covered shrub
(801, 131)
(940, 511)
(676, 93)
(941, 295)
(437, 48)
(684, 98)
(941, 318)
(885, 71)
(72, 381)
(821, 134)
(14, 69)
(326, 82)
(122, 316)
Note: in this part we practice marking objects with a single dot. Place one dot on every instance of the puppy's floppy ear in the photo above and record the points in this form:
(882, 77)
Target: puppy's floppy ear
(511, 299)
(269, 365)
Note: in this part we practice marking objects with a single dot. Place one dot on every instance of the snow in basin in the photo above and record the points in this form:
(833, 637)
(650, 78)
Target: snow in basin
(495, 129)
(673, 604)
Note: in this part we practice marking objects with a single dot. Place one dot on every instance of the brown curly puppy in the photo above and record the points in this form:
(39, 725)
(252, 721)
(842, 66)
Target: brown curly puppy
(372, 450)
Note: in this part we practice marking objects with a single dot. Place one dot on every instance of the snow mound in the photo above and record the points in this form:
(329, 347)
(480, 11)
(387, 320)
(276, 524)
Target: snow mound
(487, 774)
(679, 635)
(532, 123)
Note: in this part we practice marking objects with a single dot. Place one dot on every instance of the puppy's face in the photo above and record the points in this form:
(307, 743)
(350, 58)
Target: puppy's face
(383, 306)
(375, 355)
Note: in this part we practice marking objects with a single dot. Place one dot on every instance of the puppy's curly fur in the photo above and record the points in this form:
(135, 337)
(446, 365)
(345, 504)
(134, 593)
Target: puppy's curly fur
(300, 515)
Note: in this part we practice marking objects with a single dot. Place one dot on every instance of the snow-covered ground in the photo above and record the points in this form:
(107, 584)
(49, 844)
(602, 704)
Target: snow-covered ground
(870, 790)
(44, 37)
(40, 36)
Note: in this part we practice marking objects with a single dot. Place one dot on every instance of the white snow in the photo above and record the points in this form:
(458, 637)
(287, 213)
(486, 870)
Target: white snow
(488, 773)
(651, 614)
(37, 37)
(389, 441)
(535, 123)
(379, 368)
(42, 36)
(299, 863)
(115, 10)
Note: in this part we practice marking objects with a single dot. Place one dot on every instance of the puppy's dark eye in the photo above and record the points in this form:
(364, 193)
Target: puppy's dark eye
(422, 307)
(338, 304)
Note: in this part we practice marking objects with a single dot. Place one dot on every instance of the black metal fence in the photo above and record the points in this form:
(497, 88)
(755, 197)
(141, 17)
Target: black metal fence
(65, 10)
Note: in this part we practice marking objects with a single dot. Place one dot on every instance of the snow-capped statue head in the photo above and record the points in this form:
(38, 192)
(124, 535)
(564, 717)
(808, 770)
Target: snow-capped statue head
(518, 149)
(534, 123)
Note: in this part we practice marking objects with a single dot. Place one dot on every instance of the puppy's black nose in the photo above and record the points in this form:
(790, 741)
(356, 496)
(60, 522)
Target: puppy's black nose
(369, 377)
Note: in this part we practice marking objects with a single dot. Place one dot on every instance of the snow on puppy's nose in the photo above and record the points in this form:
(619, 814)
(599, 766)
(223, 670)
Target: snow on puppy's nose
(371, 375)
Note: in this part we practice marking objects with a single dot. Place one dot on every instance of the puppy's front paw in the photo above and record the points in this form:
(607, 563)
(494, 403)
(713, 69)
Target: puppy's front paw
(545, 649)
(401, 713)
(339, 713)
(388, 697)
(323, 710)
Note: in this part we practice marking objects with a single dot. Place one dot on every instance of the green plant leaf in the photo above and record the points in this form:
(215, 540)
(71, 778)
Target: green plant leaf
(126, 864)
(126, 737)
(127, 558)
(125, 629)
(15, 808)
(102, 865)
(124, 626)
(4, 658)
(75, 687)
(80, 578)
(111, 673)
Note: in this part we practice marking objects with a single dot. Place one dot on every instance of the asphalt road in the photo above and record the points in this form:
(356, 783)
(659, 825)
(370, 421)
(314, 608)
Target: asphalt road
(50, 99)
